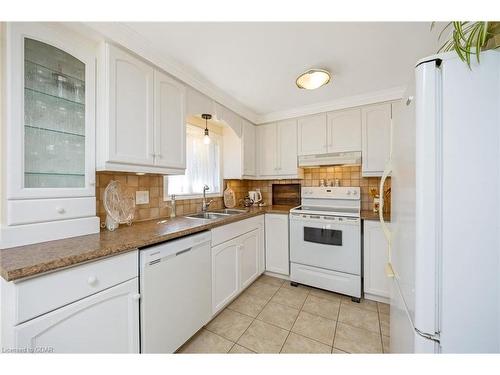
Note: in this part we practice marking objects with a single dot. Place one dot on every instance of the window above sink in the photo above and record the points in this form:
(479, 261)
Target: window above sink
(203, 166)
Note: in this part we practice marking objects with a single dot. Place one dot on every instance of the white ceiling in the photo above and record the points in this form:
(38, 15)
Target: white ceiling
(257, 63)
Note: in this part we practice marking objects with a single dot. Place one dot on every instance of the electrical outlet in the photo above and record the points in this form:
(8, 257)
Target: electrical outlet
(142, 197)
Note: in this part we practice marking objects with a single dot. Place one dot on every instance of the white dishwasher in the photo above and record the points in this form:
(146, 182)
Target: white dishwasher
(175, 282)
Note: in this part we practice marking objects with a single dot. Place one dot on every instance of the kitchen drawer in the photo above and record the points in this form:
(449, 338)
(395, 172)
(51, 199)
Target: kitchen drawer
(30, 211)
(230, 231)
(45, 293)
(326, 279)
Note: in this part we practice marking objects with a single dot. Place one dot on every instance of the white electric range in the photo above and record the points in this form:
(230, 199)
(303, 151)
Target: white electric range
(325, 240)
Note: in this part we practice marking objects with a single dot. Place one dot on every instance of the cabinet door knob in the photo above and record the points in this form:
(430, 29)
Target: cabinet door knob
(60, 210)
(92, 280)
(136, 296)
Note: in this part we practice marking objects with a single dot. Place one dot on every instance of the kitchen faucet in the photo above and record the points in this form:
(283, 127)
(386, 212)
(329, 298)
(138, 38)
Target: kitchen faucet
(205, 204)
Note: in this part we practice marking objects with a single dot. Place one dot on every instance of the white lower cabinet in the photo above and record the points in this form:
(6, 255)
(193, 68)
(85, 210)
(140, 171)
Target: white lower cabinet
(277, 244)
(225, 283)
(106, 322)
(237, 259)
(90, 308)
(249, 258)
(376, 283)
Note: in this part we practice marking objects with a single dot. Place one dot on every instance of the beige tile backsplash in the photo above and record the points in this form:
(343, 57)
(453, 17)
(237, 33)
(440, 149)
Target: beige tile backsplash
(158, 208)
(347, 175)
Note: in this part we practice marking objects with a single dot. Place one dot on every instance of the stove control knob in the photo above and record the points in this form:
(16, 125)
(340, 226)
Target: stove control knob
(355, 192)
(348, 192)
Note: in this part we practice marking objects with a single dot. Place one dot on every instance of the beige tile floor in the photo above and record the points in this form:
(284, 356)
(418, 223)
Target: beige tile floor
(271, 316)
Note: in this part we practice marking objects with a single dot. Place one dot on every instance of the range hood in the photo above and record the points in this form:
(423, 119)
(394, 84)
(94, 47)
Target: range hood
(334, 158)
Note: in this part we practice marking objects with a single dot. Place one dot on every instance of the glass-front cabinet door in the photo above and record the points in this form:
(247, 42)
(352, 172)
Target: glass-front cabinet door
(53, 127)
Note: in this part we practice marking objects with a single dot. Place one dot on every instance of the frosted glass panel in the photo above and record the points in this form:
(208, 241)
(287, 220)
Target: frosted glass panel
(54, 117)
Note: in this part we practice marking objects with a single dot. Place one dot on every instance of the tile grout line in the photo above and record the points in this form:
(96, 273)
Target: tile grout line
(246, 290)
(308, 290)
(307, 293)
(336, 325)
(222, 337)
(380, 329)
(300, 310)
(309, 338)
(242, 347)
(254, 319)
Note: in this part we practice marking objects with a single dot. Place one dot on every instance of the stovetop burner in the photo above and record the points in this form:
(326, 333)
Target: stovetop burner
(328, 201)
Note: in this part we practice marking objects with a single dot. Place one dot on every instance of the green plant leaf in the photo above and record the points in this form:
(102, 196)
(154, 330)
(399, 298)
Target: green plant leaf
(484, 33)
(444, 29)
(468, 38)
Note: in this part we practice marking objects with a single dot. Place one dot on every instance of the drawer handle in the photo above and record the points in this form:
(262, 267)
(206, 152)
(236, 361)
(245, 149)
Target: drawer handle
(92, 280)
(60, 210)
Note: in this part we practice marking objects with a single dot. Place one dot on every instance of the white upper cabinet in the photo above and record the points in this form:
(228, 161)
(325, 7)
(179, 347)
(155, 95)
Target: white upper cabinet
(249, 143)
(142, 117)
(312, 134)
(267, 146)
(287, 147)
(130, 108)
(48, 162)
(376, 128)
(277, 150)
(169, 122)
(239, 151)
(50, 113)
(344, 131)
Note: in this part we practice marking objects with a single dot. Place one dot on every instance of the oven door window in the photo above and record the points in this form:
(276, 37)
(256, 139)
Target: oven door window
(323, 236)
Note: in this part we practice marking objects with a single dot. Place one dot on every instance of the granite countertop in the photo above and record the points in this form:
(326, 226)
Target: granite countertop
(370, 215)
(30, 260)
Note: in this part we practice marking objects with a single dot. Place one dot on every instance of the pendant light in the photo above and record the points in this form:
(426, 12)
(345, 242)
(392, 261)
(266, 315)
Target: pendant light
(206, 138)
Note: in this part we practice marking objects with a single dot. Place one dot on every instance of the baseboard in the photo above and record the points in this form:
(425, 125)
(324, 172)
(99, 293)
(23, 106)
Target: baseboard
(277, 275)
(376, 298)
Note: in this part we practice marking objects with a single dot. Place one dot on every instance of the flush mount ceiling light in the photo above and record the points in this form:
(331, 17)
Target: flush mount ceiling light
(313, 79)
(206, 138)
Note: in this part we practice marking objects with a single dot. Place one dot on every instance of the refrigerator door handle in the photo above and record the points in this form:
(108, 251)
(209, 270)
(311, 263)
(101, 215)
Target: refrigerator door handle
(429, 336)
(389, 271)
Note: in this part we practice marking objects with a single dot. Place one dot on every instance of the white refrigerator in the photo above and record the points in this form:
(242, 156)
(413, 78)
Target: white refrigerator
(444, 244)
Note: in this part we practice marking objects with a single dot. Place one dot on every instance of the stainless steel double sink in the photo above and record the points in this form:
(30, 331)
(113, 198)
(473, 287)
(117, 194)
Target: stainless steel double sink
(218, 214)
